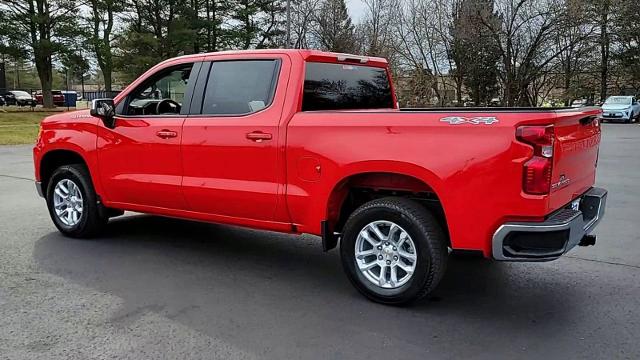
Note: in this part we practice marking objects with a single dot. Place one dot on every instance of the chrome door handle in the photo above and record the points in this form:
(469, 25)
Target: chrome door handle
(166, 134)
(259, 136)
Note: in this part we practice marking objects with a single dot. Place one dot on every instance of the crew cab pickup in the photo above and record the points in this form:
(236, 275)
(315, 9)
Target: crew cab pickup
(56, 95)
(302, 141)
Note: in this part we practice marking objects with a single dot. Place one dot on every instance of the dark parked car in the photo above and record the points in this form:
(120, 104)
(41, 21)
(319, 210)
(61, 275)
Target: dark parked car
(20, 98)
(2, 102)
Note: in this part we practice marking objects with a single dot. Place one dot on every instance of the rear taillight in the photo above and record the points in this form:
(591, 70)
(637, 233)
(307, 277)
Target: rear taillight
(537, 171)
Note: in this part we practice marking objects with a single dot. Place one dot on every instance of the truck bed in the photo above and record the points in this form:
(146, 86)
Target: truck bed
(495, 109)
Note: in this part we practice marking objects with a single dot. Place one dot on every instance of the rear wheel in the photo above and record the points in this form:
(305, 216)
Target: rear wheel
(73, 204)
(393, 250)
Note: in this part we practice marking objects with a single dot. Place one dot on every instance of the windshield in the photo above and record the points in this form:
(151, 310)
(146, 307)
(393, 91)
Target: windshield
(618, 100)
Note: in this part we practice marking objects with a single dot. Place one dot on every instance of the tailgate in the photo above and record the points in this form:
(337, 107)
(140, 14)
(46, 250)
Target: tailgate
(577, 139)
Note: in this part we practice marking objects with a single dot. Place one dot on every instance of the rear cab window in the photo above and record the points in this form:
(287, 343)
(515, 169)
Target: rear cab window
(329, 86)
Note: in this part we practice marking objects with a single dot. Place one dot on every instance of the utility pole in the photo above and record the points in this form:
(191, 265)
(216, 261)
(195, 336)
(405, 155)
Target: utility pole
(3, 79)
(288, 23)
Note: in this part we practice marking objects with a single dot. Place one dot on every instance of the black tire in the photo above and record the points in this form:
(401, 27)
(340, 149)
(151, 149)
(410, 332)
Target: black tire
(427, 235)
(93, 217)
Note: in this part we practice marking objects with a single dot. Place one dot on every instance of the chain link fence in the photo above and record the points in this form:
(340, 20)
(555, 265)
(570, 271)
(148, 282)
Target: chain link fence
(26, 99)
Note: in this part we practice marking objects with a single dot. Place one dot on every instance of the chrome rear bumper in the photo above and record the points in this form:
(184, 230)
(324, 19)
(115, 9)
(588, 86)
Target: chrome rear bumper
(548, 240)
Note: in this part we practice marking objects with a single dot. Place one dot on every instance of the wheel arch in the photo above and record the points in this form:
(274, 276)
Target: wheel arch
(53, 159)
(363, 184)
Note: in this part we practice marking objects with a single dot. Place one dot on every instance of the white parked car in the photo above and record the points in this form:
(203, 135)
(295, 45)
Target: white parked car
(578, 103)
(621, 108)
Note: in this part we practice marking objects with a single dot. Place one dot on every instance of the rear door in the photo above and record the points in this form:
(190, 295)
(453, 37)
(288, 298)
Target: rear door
(575, 154)
(230, 144)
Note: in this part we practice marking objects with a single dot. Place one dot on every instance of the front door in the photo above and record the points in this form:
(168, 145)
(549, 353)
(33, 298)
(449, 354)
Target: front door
(139, 160)
(231, 160)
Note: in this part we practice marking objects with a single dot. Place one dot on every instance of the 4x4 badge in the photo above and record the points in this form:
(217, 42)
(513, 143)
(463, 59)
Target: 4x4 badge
(457, 120)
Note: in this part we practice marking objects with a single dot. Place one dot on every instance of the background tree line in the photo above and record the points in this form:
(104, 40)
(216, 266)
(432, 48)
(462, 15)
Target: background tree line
(519, 52)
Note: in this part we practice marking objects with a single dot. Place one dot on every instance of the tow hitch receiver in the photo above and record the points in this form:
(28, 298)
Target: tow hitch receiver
(588, 240)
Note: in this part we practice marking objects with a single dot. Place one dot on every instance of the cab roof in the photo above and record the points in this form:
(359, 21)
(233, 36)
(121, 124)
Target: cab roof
(306, 54)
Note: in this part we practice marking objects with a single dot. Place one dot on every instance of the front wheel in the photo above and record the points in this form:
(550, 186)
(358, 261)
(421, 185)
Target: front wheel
(72, 202)
(393, 250)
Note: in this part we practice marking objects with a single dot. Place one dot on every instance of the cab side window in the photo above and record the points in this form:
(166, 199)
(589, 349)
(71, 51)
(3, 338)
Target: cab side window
(162, 94)
(239, 87)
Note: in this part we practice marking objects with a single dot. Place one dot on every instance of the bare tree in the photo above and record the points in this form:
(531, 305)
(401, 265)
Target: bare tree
(524, 37)
(304, 15)
(421, 30)
(377, 27)
(603, 7)
(577, 43)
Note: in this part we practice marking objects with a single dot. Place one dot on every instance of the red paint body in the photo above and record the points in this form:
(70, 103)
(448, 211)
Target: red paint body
(290, 178)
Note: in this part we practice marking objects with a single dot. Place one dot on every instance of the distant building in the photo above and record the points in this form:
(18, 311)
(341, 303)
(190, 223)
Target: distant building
(415, 89)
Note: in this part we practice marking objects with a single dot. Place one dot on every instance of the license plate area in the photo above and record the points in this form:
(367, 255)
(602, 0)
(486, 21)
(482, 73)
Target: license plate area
(575, 204)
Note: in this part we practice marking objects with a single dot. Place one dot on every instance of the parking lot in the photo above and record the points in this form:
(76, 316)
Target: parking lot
(154, 288)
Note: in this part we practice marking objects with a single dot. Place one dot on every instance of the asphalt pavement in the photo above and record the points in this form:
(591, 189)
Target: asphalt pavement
(156, 288)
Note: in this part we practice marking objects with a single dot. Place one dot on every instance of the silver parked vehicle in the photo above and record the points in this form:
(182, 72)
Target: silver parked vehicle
(621, 108)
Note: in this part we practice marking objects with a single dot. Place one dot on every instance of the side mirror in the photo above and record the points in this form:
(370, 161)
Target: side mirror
(104, 109)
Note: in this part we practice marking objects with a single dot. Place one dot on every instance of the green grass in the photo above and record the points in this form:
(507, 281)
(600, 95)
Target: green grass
(20, 127)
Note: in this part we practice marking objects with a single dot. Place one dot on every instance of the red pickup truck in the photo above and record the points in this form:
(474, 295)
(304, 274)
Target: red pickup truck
(302, 141)
(57, 96)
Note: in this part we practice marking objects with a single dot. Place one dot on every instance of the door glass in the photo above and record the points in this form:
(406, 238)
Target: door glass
(162, 94)
(239, 87)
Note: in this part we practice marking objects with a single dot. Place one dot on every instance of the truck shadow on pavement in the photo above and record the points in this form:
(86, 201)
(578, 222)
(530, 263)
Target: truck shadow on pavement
(255, 287)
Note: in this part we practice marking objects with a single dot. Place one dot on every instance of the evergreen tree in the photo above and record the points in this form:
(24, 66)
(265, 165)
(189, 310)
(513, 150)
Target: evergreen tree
(474, 51)
(156, 30)
(46, 27)
(335, 30)
(256, 23)
(628, 51)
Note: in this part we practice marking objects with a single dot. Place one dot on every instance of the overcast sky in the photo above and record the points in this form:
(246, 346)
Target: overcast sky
(356, 9)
